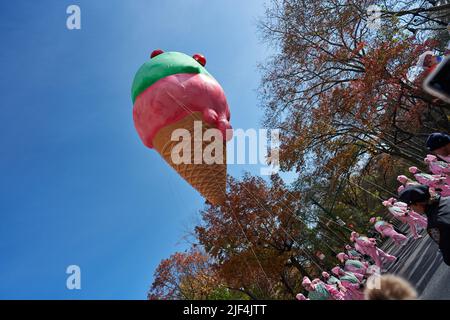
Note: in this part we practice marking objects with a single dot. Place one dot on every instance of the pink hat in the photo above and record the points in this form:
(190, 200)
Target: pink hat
(413, 169)
(354, 235)
(336, 270)
(348, 247)
(430, 158)
(325, 274)
(402, 178)
(341, 256)
(306, 281)
(300, 297)
(372, 220)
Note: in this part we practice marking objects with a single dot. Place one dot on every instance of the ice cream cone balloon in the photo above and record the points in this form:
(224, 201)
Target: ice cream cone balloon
(181, 111)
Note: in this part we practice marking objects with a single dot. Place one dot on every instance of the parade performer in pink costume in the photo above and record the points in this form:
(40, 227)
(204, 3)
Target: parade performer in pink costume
(334, 291)
(351, 265)
(435, 182)
(420, 220)
(436, 166)
(349, 281)
(341, 256)
(401, 213)
(352, 253)
(319, 290)
(368, 246)
(301, 296)
(430, 180)
(406, 182)
(387, 230)
(332, 280)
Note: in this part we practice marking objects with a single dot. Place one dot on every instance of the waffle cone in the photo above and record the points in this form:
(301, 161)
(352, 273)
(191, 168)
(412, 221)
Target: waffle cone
(208, 179)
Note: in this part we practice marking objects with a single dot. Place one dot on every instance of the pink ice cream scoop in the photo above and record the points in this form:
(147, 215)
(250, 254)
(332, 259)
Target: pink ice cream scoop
(171, 86)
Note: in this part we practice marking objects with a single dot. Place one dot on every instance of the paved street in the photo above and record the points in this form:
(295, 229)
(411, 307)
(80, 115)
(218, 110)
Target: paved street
(420, 262)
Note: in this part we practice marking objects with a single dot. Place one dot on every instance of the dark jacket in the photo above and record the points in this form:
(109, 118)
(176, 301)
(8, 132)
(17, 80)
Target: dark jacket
(438, 214)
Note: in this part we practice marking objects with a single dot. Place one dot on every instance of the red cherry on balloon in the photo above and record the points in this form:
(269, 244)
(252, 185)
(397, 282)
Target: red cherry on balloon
(156, 53)
(200, 58)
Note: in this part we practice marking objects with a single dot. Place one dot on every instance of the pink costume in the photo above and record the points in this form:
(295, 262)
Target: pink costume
(342, 257)
(436, 166)
(350, 282)
(301, 297)
(387, 230)
(332, 280)
(435, 182)
(443, 190)
(352, 253)
(406, 182)
(368, 246)
(351, 265)
(421, 221)
(424, 178)
(400, 211)
(319, 290)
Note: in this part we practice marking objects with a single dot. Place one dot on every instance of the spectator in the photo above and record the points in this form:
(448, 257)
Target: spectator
(439, 144)
(437, 211)
(388, 287)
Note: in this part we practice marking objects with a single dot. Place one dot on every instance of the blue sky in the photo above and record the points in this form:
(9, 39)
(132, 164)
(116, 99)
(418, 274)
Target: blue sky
(77, 185)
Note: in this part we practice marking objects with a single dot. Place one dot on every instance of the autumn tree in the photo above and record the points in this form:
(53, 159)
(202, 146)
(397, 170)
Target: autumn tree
(190, 275)
(346, 98)
(259, 238)
(340, 88)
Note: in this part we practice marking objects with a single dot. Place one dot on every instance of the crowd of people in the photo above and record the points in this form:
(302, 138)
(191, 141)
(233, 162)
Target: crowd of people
(422, 203)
